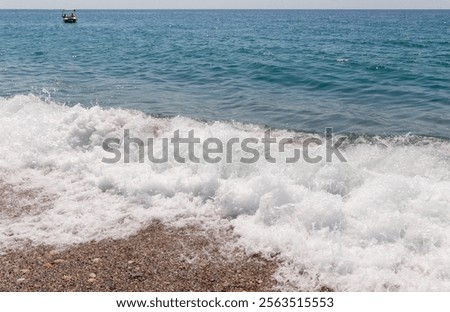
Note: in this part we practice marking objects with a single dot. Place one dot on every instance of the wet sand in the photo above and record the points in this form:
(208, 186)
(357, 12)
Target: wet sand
(158, 258)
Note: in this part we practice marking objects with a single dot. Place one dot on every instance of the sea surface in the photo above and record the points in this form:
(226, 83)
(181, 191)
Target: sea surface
(375, 72)
(378, 221)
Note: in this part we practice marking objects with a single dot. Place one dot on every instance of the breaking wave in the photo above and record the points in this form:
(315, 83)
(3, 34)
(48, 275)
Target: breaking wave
(380, 221)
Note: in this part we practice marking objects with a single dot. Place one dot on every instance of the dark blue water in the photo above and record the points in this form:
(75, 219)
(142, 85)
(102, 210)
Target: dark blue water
(374, 72)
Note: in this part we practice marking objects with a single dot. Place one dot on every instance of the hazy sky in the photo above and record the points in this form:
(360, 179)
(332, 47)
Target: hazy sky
(226, 4)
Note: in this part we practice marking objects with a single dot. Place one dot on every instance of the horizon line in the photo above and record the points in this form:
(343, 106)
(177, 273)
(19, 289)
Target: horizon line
(234, 9)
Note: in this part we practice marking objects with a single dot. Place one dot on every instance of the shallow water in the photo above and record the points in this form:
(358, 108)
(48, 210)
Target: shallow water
(375, 72)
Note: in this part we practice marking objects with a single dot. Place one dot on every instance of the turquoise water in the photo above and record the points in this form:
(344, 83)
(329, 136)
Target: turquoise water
(364, 72)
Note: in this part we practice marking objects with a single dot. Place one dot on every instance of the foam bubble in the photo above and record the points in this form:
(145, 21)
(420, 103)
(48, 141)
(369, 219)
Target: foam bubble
(380, 221)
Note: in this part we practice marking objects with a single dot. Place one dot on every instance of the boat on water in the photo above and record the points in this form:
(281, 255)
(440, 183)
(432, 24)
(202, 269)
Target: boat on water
(69, 16)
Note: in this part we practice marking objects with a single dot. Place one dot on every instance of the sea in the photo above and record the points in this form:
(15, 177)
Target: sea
(377, 219)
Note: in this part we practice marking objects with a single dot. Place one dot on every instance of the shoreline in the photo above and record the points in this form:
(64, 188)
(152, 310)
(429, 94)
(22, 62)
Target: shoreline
(158, 258)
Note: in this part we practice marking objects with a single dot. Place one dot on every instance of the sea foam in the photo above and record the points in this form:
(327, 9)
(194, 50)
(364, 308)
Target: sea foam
(380, 221)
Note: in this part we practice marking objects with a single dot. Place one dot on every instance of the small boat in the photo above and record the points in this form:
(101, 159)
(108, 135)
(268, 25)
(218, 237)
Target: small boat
(69, 17)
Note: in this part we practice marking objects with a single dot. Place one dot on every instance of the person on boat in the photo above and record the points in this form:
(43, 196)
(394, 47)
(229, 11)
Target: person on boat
(72, 15)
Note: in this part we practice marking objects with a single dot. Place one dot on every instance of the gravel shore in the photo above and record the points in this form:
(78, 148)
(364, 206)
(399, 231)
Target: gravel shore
(159, 258)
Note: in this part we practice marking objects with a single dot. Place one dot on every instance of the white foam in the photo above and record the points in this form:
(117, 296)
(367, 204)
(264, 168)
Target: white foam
(381, 221)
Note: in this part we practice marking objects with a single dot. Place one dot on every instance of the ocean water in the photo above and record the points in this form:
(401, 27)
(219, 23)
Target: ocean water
(374, 72)
(380, 221)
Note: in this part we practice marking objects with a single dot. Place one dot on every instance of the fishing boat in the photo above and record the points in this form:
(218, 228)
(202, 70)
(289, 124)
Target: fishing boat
(69, 17)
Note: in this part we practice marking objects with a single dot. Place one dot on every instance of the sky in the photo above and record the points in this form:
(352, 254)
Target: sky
(225, 4)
